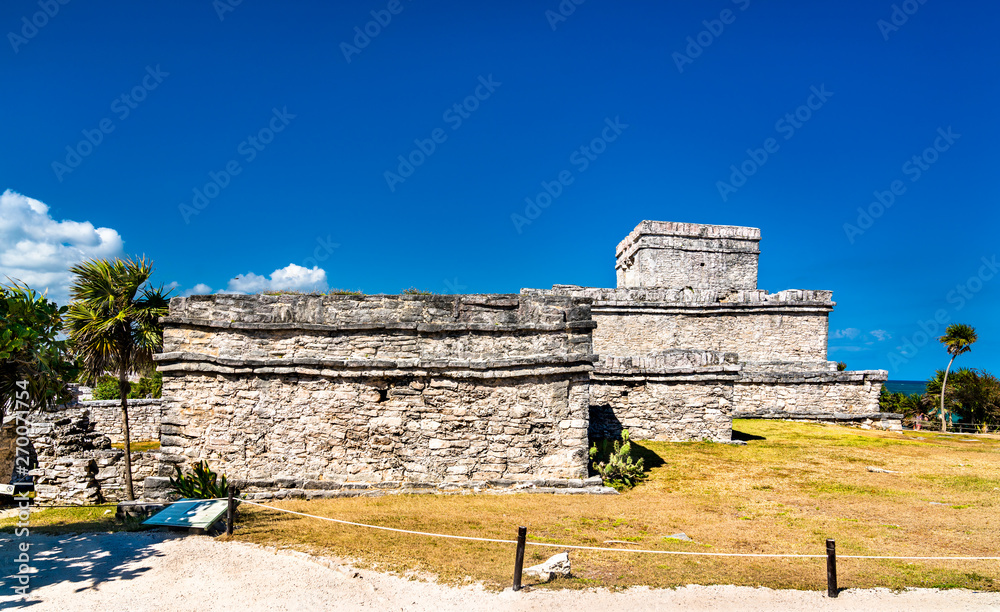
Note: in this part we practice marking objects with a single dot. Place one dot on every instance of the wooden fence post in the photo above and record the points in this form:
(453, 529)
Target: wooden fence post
(831, 568)
(231, 511)
(522, 534)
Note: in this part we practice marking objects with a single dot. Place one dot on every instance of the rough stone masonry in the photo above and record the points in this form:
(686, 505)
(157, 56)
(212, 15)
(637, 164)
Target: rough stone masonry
(399, 390)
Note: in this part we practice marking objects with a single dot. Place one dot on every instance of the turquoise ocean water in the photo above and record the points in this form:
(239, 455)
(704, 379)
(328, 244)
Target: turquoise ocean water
(905, 386)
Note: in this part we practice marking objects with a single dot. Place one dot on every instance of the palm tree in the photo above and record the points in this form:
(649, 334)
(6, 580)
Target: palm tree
(113, 326)
(957, 339)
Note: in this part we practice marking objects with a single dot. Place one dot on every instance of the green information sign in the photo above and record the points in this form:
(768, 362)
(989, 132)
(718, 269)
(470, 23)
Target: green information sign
(199, 514)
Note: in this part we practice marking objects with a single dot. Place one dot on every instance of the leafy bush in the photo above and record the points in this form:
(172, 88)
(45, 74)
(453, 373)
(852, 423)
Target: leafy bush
(841, 366)
(415, 291)
(151, 386)
(107, 387)
(613, 461)
(201, 483)
(907, 405)
(344, 292)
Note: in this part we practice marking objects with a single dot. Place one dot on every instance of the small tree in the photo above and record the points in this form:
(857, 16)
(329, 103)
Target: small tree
(114, 326)
(32, 357)
(957, 339)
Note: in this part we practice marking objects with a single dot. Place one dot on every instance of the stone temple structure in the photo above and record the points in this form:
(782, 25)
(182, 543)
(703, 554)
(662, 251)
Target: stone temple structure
(330, 395)
(409, 391)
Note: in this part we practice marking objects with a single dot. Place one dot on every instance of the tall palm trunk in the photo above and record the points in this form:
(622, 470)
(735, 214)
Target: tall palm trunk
(124, 387)
(944, 384)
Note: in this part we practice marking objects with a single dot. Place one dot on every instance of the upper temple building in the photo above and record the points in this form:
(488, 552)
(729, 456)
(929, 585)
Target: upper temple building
(679, 255)
(685, 287)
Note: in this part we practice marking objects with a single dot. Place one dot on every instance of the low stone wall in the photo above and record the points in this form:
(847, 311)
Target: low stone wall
(144, 416)
(673, 397)
(890, 421)
(74, 461)
(771, 395)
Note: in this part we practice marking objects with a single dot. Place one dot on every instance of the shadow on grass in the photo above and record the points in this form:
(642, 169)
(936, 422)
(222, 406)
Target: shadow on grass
(746, 437)
(86, 560)
(649, 457)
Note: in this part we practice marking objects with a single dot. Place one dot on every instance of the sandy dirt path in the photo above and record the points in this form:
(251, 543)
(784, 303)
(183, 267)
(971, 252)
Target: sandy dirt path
(156, 570)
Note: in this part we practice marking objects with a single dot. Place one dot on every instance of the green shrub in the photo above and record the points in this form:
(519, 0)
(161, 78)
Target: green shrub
(201, 483)
(147, 387)
(107, 387)
(415, 291)
(613, 461)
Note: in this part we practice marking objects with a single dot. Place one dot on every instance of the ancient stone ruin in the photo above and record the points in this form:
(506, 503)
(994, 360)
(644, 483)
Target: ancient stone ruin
(331, 395)
(317, 393)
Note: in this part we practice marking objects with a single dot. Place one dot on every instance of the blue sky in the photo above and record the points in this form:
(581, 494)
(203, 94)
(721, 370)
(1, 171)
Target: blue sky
(259, 145)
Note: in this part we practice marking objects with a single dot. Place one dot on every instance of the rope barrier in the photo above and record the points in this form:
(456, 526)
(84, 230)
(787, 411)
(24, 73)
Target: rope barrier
(598, 548)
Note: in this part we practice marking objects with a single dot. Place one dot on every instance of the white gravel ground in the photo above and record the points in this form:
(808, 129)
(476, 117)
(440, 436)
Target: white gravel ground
(163, 571)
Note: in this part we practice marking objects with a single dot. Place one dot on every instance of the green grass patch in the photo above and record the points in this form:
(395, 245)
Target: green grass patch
(962, 482)
(82, 519)
(840, 488)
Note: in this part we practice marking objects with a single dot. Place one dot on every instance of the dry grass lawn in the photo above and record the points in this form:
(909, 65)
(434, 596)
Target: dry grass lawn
(789, 489)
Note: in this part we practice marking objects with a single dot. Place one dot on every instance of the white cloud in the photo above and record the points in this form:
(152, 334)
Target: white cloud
(290, 278)
(880, 334)
(850, 332)
(38, 250)
(847, 349)
(199, 289)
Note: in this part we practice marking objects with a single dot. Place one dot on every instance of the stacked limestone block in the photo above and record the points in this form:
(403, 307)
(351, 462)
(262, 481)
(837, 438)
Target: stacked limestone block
(670, 254)
(74, 462)
(675, 395)
(471, 390)
(144, 416)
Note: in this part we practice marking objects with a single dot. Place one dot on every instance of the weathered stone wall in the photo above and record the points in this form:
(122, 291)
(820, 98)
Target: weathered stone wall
(383, 389)
(74, 462)
(758, 326)
(674, 397)
(669, 254)
(803, 394)
(144, 417)
(395, 429)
